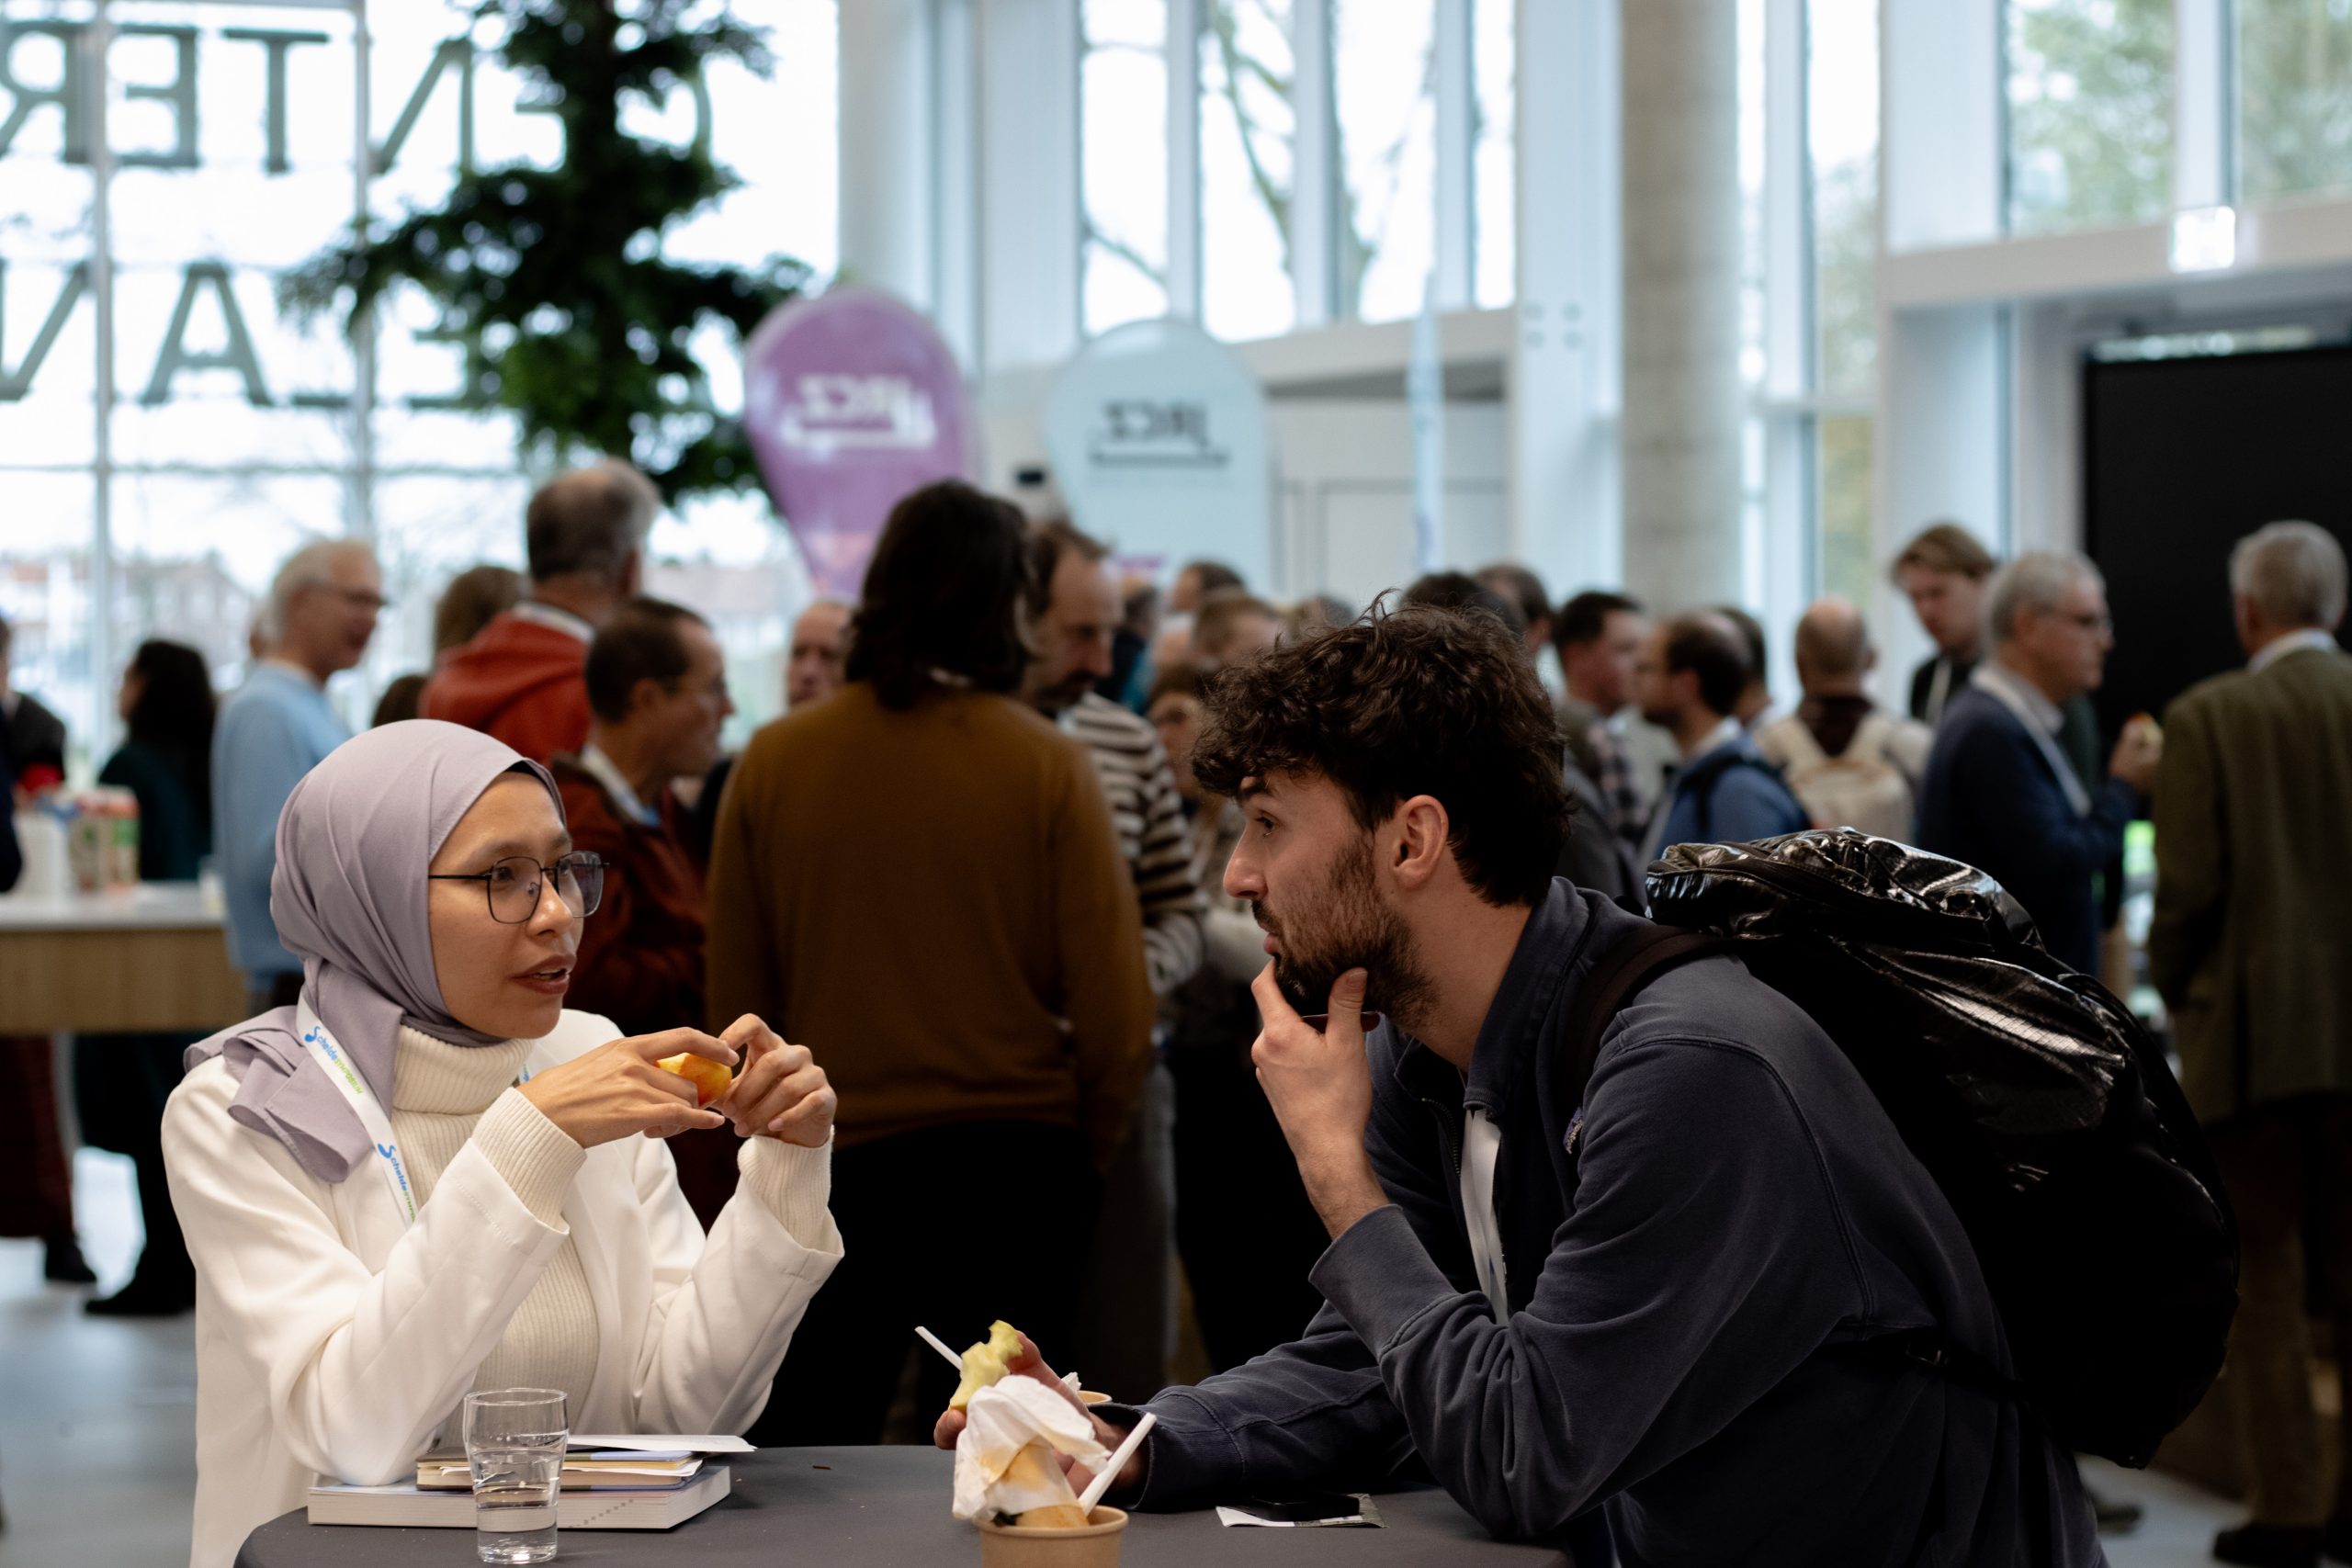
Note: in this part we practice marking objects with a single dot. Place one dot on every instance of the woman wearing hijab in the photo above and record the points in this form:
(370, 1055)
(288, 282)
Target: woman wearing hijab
(429, 1177)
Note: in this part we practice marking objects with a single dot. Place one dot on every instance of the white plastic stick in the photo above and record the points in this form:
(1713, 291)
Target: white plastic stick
(1119, 1457)
(936, 1343)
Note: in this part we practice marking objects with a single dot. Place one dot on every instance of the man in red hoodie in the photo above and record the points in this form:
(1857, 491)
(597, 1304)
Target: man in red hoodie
(523, 679)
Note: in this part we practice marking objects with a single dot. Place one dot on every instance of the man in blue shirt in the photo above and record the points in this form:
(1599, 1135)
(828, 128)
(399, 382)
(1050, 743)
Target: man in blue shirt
(1690, 680)
(1999, 793)
(275, 727)
(1655, 1303)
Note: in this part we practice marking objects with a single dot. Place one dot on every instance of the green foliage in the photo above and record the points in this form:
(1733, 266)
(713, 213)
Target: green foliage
(1251, 85)
(554, 280)
(2090, 113)
(1845, 263)
(2295, 97)
(1847, 561)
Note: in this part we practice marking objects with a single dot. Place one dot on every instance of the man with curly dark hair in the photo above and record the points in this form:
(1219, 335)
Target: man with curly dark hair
(1651, 1305)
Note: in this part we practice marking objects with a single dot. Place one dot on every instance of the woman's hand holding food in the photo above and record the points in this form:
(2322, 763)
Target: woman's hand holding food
(1030, 1364)
(780, 1092)
(619, 1089)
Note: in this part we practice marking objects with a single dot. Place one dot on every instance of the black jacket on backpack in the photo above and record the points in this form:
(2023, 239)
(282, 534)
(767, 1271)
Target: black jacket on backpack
(1682, 1346)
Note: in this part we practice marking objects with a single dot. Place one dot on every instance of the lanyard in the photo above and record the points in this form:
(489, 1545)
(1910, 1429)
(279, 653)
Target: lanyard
(2002, 687)
(328, 1052)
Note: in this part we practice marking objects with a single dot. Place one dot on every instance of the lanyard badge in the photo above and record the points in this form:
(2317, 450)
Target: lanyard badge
(342, 1072)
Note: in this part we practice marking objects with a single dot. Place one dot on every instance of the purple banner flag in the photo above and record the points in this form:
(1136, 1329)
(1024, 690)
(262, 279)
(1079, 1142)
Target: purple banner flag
(851, 401)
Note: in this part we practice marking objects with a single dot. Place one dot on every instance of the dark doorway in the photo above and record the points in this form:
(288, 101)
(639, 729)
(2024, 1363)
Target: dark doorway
(2182, 458)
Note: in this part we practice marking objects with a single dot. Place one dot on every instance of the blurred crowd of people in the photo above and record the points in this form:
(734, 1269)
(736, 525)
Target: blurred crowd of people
(973, 866)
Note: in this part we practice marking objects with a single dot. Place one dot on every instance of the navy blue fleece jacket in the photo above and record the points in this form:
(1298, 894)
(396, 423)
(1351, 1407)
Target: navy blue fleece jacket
(1682, 1343)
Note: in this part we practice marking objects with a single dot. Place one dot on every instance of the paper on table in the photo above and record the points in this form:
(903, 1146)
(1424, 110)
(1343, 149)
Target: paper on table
(457, 1473)
(1366, 1513)
(693, 1442)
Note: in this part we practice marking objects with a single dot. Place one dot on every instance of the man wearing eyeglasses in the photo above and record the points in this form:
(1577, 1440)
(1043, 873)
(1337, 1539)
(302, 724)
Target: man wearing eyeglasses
(1999, 791)
(275, 727)
(657, 696)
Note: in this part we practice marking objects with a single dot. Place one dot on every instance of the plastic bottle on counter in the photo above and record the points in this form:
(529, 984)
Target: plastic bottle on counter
(121, 808)
(49, 871)
(88, 848)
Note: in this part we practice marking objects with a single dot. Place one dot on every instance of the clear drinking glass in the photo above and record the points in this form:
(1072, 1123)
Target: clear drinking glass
(515, 1443)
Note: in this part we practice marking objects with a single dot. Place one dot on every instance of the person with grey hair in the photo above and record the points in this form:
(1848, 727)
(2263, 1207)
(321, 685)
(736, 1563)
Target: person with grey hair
(2251, 947)
(2000, 793)
(523, 678)
(317, 622)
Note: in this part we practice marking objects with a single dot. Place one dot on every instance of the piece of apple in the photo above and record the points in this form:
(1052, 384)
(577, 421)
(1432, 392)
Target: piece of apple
(710, 1078)
(985, 1364)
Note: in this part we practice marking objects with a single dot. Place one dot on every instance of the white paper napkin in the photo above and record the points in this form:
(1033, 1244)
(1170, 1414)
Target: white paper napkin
(1002, 1420)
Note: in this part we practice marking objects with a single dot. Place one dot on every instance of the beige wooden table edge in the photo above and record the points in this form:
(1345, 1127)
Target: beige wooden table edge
(123, 979)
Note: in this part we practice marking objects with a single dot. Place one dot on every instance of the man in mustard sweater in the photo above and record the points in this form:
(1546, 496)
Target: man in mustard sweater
(919, 877)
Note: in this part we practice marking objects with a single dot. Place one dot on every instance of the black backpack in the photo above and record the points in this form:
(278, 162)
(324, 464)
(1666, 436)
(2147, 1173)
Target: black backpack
(2034, 1099)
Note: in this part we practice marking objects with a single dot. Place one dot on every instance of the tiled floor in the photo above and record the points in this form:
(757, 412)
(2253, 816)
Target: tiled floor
(96, 1445)
(97, 1417)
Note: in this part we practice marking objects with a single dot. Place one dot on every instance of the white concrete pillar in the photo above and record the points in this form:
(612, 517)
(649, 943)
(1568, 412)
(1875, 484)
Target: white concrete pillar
(887, 147)
(1564, 357)
(1682, 429)
(1029, 195)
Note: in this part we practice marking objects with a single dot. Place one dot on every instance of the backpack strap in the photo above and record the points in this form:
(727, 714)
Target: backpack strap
(1618, 973)
(1790, 746)
(1702, 782)
(1872, 737)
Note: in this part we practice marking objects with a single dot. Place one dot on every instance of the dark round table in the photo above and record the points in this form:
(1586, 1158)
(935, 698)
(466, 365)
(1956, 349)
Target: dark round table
(886, 1508)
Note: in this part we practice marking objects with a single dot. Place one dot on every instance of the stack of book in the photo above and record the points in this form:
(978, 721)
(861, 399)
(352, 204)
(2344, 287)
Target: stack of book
(608, 1483)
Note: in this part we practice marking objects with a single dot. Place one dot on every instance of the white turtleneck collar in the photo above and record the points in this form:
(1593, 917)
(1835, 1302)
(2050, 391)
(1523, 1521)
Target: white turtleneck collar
(438, 1079)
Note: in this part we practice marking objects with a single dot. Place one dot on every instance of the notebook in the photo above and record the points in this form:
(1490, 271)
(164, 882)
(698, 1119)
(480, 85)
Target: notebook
(411, 1507)
(449, 1472)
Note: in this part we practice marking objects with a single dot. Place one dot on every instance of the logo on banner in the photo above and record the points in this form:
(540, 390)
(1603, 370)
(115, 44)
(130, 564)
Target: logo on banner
(1158, 438)
(835, 412)
(851, 402)
(1146, 432)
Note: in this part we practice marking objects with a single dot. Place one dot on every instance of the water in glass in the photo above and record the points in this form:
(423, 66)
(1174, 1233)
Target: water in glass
(514, 1501)
(514, 1444)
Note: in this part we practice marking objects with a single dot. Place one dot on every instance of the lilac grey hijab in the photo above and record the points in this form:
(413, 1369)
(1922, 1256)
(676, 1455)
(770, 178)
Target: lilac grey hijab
(348, 896)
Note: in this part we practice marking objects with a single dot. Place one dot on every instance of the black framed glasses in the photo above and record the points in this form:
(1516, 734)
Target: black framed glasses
(512, 885)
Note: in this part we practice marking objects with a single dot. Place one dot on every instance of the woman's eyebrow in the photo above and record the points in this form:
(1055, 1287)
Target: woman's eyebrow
(553, 847)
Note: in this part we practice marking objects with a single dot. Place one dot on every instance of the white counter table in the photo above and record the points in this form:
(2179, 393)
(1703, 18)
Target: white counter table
(153, 957)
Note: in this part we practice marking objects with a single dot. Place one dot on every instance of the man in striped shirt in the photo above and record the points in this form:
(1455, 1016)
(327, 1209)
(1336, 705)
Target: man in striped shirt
(1074, 627)
(1128, 1311)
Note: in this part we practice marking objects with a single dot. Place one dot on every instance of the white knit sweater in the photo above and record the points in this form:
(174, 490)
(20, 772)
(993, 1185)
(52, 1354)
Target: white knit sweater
(445, 1096)
(334, 1336)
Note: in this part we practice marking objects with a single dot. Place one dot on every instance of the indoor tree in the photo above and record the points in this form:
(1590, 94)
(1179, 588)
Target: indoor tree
(554, 278)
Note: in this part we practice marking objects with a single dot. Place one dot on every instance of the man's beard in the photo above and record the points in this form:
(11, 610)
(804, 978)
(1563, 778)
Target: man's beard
(1059, 699)
(1342, 925)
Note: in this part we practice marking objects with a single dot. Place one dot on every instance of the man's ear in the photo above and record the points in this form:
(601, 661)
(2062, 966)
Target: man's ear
(646, 693)
(1422, 831)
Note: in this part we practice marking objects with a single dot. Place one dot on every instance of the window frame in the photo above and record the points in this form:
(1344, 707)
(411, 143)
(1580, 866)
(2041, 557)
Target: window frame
(1316, 206)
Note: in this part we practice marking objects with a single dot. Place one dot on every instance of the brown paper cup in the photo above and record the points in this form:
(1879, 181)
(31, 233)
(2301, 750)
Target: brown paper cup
(1095, 1545)
(1093, 1396)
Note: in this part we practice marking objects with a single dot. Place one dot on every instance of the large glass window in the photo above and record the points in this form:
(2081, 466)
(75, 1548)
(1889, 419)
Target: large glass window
(1123, 141)
(1385, 109)
(2090, 99)
(2294, 98)
(1841, 155)
(1247, 130)
(1494, 153)
(235, 432)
